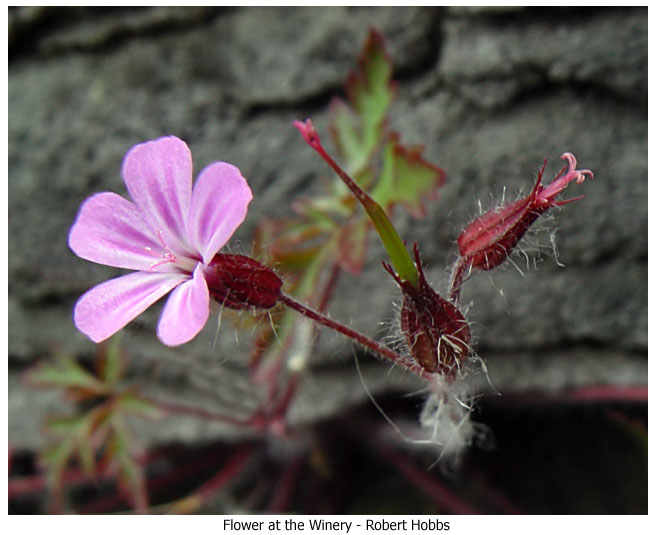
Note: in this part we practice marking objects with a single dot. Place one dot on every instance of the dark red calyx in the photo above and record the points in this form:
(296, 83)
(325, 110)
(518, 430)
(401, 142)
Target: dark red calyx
(240, 282)
(435, 330)
(488, 241)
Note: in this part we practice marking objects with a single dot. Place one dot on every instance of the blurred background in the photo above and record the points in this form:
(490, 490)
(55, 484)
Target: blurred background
(490, 92)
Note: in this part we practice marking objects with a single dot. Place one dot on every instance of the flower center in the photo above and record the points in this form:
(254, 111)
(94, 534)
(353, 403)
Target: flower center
(182, 262)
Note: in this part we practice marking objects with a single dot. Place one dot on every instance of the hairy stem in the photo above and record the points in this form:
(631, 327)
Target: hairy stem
(196, 411)
(360, 338)
(457, 279)
(392, 242)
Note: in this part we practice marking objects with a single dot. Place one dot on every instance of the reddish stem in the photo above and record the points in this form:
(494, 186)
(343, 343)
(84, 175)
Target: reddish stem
(284, 489)
(610, 393)
(185, 470)
(346, 331)
(283, 405)
(389, 236)
(312, 138)
(586, 394)
(457, 279)
(197, 411)
(232, 468)
(441, 495)
(19, 486)
(104, 504)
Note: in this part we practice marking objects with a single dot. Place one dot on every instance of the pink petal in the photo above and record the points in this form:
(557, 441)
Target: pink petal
(158, 176)
(218, 206)
(108, 307)
(186, 311)
(110, 230)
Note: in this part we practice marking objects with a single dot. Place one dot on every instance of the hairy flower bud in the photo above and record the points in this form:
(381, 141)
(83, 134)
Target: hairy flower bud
(436, 331)
(240, 282)
(488, 240)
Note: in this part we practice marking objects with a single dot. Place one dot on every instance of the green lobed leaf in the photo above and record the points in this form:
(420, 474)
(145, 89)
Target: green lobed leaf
(346, 137)
(55, 458)
(370, 89)
(76, 438)
(357, 129)
(407, 178)
(132, 403)
(131, 474)
(110, 362)
(66, 372)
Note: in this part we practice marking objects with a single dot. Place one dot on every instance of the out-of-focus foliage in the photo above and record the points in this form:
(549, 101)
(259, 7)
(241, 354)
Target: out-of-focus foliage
(97, 435)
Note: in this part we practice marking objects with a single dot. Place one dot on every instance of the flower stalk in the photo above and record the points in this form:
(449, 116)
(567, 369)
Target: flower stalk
(392, 242)
(360, 338)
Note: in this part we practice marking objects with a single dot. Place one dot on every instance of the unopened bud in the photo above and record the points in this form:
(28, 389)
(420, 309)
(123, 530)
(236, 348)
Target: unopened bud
(240, 282)
(436, 331)
(490, 239)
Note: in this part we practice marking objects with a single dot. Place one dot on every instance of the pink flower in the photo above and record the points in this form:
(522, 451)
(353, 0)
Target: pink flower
(169, 235)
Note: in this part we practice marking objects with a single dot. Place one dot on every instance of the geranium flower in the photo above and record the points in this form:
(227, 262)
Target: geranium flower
(169, 235)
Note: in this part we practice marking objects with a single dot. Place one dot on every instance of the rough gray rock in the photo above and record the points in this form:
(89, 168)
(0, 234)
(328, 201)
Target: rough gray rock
(489, 92)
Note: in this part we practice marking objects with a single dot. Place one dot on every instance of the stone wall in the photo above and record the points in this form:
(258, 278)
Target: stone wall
(489, 92)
